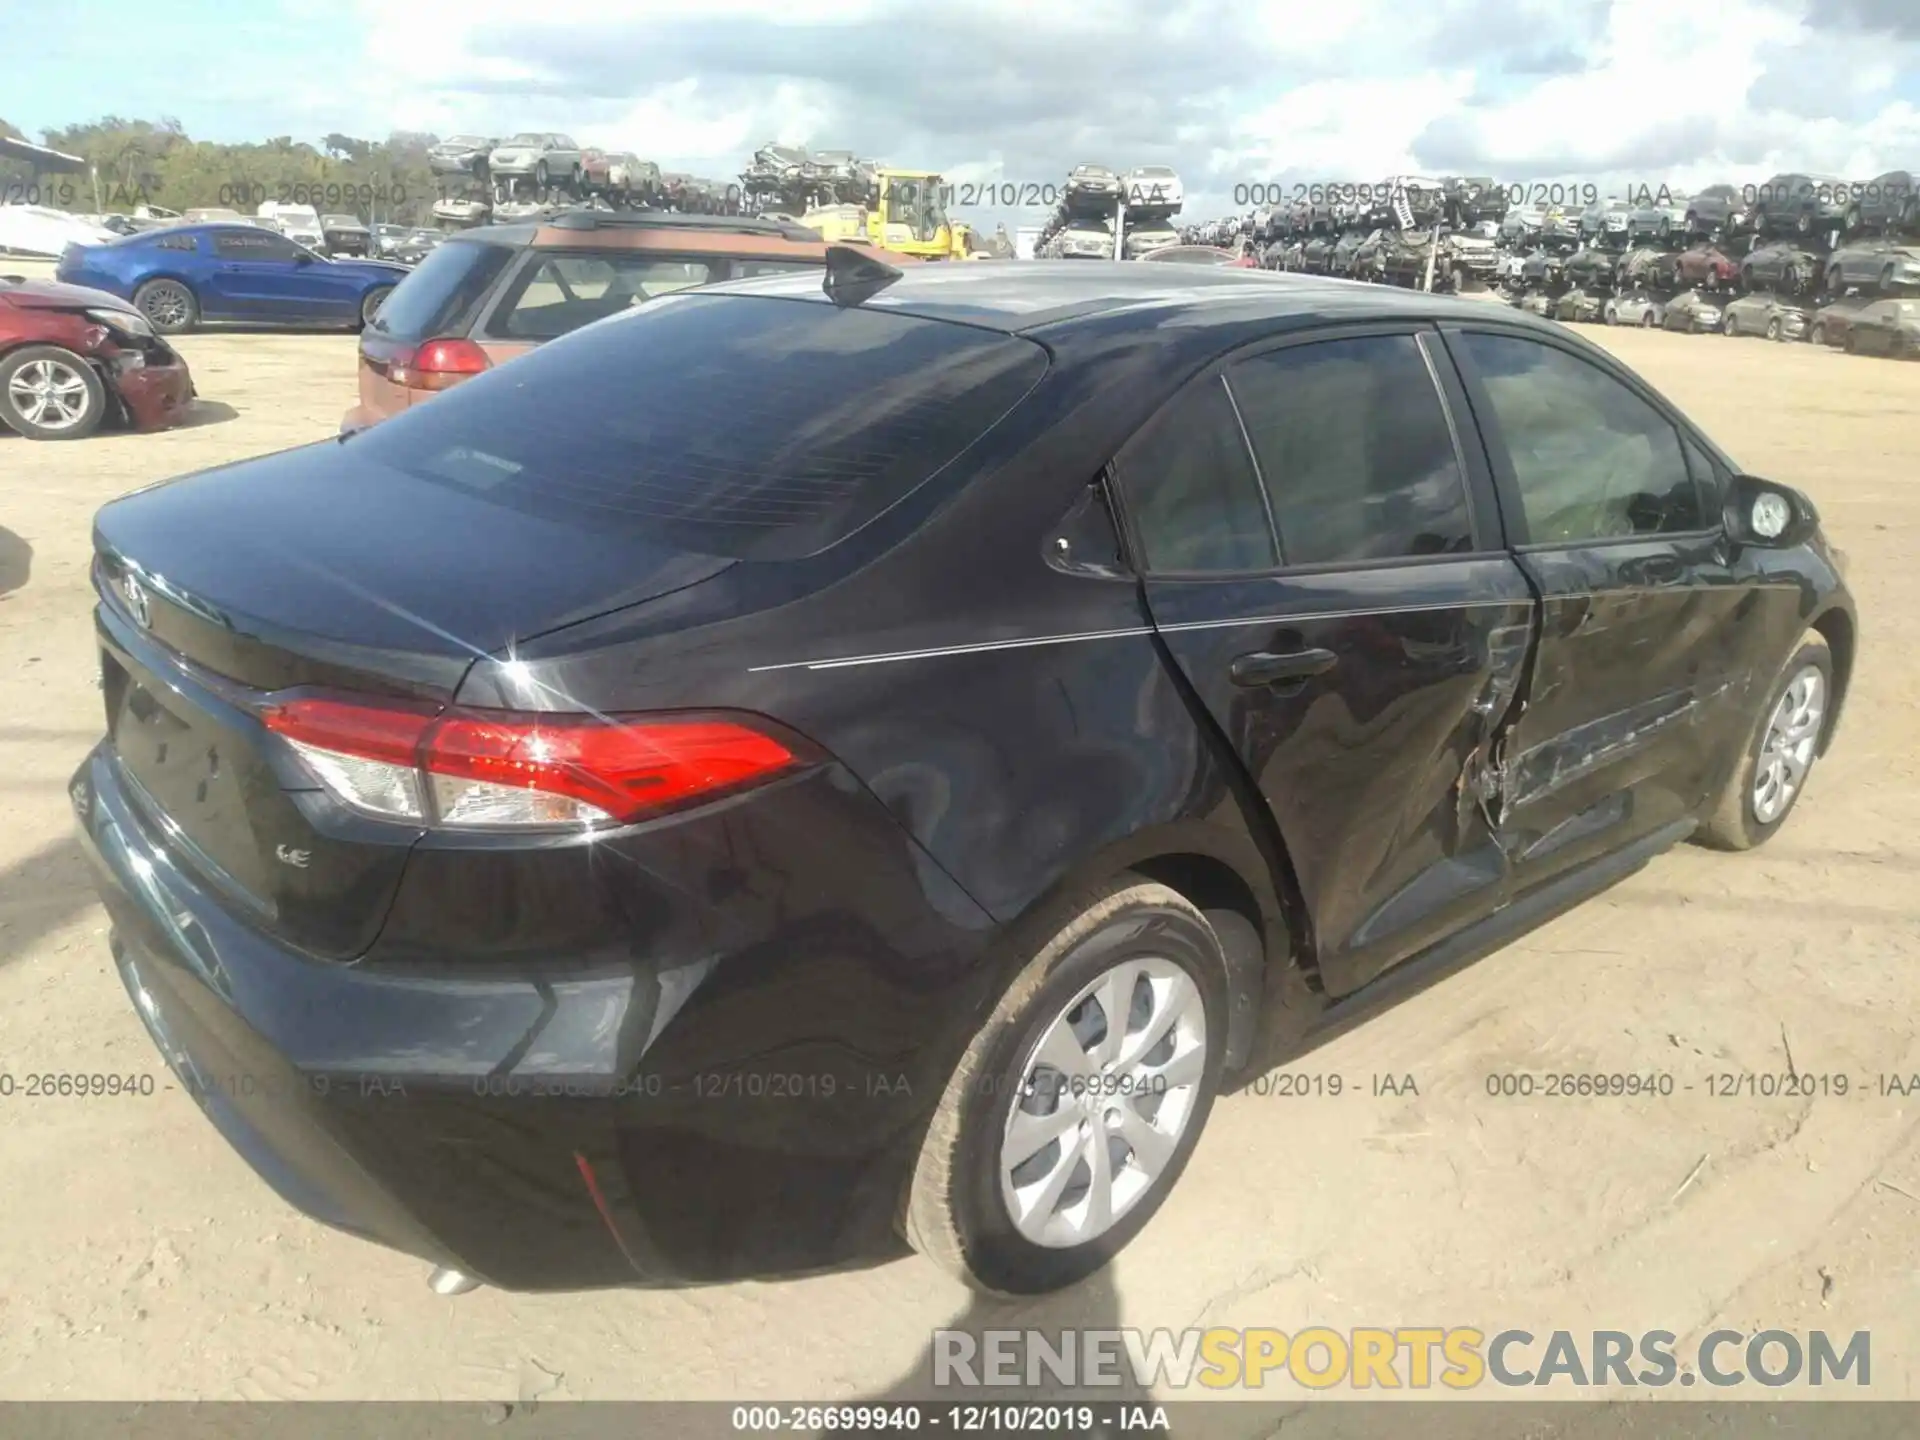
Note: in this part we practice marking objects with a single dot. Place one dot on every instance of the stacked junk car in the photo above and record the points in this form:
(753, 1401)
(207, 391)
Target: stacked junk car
(1796, 257)
(1106, 214)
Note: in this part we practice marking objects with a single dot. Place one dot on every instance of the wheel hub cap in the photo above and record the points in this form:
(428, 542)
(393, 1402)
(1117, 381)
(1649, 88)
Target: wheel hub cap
(1786, 752)
(48, 394)
(1105, 1096)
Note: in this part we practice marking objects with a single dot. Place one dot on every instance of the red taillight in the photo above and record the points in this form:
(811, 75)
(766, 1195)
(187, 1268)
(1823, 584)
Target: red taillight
(495, 770)
(438, 364)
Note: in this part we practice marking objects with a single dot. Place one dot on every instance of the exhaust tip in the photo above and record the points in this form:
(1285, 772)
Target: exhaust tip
(444, 1281)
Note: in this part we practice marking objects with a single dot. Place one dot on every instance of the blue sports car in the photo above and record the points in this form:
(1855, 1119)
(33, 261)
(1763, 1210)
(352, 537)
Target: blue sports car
(242, 274)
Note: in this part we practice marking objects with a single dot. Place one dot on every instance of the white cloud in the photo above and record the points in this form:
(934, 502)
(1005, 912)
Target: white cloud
(1227, 90)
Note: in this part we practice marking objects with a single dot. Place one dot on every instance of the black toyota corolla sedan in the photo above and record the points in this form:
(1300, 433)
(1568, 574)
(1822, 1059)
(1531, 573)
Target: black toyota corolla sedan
(797, 766)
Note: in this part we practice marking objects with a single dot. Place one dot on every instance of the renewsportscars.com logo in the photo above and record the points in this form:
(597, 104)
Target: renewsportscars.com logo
(1402, 1358)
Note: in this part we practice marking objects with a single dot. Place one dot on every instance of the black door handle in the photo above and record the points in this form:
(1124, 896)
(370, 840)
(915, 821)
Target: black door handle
(1264, 667)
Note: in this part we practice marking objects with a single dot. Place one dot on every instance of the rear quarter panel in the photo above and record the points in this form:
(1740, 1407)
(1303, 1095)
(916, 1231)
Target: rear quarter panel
(1016, 720)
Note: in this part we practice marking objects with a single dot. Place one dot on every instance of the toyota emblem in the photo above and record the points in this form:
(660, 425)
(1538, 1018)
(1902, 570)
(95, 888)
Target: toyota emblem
(136, 594)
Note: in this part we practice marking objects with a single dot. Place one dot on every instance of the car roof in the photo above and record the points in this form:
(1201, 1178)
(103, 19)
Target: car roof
(1050, 299)
(653, 230)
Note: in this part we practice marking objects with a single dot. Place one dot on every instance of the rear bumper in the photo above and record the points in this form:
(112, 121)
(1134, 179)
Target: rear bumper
(704, 1094)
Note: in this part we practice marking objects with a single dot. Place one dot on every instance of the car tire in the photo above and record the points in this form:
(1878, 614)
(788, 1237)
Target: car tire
(1610, 315)
(1646, 320)
(1773, 328)
(170, 307)
(540, 174)
(1851, 344)
(1785, 738)
(958, 1210)
(371, 302)
(1818, 335)
(49, 393)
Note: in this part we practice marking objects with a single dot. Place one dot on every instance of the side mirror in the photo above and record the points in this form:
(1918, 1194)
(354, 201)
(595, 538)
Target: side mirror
(1769, 515)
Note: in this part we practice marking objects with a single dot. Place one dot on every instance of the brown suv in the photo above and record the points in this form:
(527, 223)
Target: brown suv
(489, 294)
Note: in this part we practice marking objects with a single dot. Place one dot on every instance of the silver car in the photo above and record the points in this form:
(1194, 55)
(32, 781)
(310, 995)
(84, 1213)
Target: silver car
(1657, 216)
(1154, 188)
(1145, 238)
(1880, 264)
(461, 155)
(1639, 308)
(1767, 315)
(1605, 220)
(1087, 239)
(1523, 222)
(541, 155)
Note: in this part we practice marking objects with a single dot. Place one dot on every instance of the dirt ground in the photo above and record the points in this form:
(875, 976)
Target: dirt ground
(139, 1258)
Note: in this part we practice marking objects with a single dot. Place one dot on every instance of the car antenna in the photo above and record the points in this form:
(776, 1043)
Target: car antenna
(855, 277)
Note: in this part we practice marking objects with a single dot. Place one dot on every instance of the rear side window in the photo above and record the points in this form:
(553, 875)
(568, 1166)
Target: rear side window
(726, 425)
(554, 295)
(253, 245)
(176, 242)
(1190, 485)
(443, 288)
(752, 269)
(1355, 451)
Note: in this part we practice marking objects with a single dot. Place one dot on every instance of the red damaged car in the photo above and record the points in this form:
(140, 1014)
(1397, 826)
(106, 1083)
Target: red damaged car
(1704, 265)
(72, 358)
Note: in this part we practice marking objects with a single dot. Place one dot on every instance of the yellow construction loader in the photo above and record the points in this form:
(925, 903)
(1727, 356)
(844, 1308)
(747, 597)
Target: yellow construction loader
(907, 214)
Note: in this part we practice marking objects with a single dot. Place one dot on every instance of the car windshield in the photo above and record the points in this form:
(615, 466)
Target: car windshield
(534, 140)
(721, 424)
(466, 141)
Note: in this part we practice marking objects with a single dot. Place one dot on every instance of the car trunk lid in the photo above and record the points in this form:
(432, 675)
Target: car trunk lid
(310, 569)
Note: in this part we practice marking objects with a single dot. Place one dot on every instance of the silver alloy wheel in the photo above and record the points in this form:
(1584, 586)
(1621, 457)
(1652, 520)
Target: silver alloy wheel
(48, 393)
(1105, 1095)
(1786, 754)
(165, 305)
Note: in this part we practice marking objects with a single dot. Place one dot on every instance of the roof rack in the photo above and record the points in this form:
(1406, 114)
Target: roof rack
(674, 219)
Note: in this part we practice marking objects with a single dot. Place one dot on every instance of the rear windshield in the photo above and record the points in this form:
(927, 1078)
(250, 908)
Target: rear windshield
(442, 289)
(554, 294)
(740, 426)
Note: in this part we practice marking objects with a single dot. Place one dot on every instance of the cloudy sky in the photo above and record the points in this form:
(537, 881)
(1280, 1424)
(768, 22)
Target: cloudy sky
(1229, 92)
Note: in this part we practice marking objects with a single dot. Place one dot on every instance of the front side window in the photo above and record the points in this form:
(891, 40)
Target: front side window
(1355, 451)
(1191, 487)
(1592, 460)
(557, 294)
